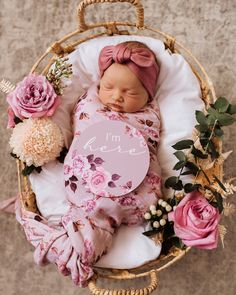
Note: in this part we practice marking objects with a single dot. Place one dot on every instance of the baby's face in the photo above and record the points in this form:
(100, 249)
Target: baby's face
(121, 90)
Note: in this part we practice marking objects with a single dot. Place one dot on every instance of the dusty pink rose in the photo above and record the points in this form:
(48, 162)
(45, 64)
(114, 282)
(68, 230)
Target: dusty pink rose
(80, 164)
(196, 222)
(153, 179)
(34, 97)
(68, 171)
(99, 180)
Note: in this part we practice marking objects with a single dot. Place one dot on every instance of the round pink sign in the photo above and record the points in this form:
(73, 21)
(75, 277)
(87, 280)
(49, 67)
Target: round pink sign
(118, 158)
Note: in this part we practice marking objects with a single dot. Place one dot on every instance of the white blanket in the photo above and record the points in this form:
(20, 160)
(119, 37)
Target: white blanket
(178, 95)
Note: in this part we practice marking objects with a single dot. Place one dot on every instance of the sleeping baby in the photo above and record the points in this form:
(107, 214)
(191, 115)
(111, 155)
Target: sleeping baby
(125, 93)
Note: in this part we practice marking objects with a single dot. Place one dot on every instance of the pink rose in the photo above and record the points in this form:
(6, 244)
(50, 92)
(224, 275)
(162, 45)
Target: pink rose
(80, 164)
(153, 179)
(34, 97)
(68, 171)
(99, 180)
(196, 222)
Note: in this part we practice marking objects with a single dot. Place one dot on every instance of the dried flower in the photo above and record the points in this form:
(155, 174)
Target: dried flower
(60, 69)
(228, 209)
(36, 141)
(230, 188)
(222, 232)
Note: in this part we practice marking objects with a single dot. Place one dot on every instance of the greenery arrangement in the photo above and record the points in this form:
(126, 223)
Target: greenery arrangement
(196, 158)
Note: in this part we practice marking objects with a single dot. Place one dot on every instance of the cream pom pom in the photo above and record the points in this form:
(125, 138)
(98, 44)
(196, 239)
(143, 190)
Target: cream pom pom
(36, 141)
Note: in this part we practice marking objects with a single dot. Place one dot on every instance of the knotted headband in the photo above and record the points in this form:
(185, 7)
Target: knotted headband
(140, 61)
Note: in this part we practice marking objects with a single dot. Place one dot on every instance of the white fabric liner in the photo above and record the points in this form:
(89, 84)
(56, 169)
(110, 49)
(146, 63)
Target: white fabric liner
(178, 94)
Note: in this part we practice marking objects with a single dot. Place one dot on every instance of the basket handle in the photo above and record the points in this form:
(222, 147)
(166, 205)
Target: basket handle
(95, 290)
(81, 9)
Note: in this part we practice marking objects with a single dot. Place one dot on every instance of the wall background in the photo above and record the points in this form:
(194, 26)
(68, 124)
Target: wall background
(27, 28)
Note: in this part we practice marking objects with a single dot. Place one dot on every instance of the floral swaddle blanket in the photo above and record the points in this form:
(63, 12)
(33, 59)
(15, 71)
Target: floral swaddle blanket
(101, 215)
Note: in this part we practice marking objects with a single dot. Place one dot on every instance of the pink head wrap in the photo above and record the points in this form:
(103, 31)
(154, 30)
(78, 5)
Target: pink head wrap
(140, 61)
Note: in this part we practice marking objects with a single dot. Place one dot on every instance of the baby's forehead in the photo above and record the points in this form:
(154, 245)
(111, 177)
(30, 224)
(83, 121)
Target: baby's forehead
(120, 73)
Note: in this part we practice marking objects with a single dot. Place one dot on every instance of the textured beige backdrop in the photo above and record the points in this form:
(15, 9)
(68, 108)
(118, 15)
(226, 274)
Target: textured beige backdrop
(27, 28)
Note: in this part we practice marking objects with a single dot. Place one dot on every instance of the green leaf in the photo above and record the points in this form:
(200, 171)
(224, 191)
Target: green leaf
(201, 128)
(212, 150)
(201, 118)
(192, 167)
(183, 144)
(221, 104)
(28, 170)
(180, 155)
(199, 154)
(214, 113)
(171, 181)
(63, 154)
(174, 182)
(218, 132)
(204, 142)
(150, 233)
(190, 187)
(179, 165)
(225, 119)
(17, 120)
(211, 120)
(231, 109)
(219, 182)
(219, 201)
(14, 155)
(177, 242)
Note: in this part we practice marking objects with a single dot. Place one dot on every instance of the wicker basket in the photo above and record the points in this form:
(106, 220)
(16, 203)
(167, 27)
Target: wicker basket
(67, 45)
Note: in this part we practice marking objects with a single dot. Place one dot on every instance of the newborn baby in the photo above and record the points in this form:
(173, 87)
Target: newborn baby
(129, 73)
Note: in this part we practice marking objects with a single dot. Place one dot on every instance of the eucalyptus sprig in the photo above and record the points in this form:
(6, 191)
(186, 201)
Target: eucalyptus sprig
(61, 69)
(209, 128)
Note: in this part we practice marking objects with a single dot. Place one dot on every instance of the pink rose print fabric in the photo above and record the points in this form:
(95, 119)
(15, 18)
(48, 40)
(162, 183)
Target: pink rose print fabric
(106, 212)
(86, 230)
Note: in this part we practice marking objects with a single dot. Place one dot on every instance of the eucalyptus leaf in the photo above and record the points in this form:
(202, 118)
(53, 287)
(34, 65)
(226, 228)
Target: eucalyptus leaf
(212, 150)
(214, 113)
(202, 128)
(192, 167)
(179, 165)
(199, 154)
(219, 201)
(174, 182)
(190, 187)
(204, 142)
(183, 144)
(225, 119)
(201, 118)
(221, 104)
(180, 155)
(178, 186)
(171, 181)
(150, 233)
(211, 119)
(177, 242)
(231, 109)
(218, 132)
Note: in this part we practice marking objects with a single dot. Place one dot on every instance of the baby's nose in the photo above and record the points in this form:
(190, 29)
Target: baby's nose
(117, 96)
